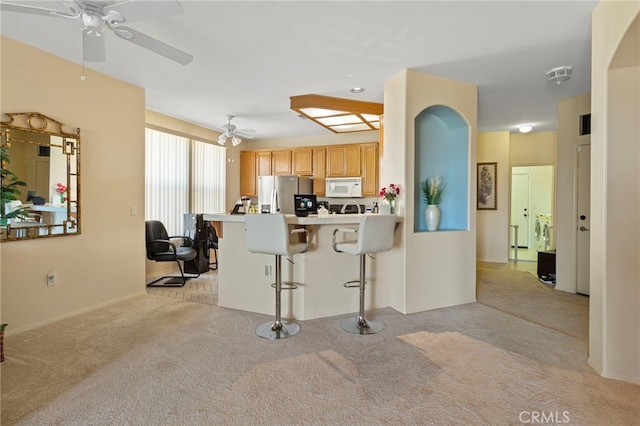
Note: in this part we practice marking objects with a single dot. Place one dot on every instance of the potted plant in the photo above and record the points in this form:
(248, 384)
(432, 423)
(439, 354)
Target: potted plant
(9, 188)
(432, 191)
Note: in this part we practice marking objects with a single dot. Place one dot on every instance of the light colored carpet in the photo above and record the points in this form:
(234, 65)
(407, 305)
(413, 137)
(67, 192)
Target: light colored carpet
(155, 360)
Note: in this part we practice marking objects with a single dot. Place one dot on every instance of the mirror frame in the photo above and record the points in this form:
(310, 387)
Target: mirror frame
(35, 122)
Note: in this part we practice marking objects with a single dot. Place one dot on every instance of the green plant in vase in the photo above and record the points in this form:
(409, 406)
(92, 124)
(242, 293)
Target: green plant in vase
(10, 184)
(432, 192)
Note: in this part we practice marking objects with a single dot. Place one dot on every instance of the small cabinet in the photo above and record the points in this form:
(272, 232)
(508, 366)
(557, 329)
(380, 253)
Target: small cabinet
(302, 161)
(248, 176)
(281, 162)
(319, 170)
(263, 164)
(343, 161)
(369, 156)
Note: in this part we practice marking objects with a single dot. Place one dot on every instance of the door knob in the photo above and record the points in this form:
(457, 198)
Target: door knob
(582, 228)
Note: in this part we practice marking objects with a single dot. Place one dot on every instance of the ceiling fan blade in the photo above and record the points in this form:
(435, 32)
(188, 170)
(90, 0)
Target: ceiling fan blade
(152, 44)
(93, 48)
(243, 135)
(33, 10)
(137, 10)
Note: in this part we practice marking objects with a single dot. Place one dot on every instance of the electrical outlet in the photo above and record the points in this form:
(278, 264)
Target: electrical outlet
(51, 278)
(267, 271)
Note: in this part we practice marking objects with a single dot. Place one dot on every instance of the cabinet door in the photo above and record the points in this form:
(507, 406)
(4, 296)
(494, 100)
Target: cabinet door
(335, 161)
(352, 166)
(281, 162)
(263, 164)
(248, 176)
(302, 161)
(369, 170)
(319, 170)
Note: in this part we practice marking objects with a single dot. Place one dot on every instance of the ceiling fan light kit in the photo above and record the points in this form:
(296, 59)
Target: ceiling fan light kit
(559, 74)
(229, 131)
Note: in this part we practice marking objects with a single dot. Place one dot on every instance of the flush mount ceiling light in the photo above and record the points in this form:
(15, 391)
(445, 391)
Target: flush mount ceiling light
(525, 128)
(337, 114)
(559, 74)
(357, 90)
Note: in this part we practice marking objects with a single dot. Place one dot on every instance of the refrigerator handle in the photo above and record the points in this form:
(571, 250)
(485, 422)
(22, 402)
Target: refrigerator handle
(274, 201)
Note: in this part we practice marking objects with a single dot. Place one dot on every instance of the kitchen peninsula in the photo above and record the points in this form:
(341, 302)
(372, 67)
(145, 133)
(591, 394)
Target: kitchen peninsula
(244, 278)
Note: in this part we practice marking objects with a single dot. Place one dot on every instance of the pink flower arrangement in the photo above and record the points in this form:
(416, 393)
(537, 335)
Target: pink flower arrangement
(60, 188)
(390, 193)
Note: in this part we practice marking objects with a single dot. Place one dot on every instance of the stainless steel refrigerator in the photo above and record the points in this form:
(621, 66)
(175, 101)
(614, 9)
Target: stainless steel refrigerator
(275, 193)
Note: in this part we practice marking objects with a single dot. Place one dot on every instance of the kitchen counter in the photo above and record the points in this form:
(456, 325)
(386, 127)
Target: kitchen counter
(244, 278)
(295, 220)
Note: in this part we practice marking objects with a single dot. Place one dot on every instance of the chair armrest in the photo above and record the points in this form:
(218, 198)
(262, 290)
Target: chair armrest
(173, 246)
(344, 230)
(306, 239)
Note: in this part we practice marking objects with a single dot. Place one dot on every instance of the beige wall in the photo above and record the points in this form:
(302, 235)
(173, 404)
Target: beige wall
(569, 111)
(492, 242)
(532, 149)
(438, 268)
(105, 263)
(614, 308)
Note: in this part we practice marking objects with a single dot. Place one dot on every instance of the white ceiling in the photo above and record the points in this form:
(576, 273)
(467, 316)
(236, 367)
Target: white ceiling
(251, 56)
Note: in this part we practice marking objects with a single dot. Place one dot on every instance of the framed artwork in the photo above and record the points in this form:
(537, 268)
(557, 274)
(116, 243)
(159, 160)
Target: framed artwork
(487, 186)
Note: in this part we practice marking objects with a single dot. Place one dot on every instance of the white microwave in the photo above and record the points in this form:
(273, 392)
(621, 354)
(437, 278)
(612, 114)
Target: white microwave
(343, 187)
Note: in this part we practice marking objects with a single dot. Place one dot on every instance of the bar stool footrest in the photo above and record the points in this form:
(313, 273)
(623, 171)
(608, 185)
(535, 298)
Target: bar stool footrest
(286, 285)
(352, 284)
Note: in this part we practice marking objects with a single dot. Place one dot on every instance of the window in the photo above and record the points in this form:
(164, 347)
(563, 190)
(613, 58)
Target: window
(182, 176)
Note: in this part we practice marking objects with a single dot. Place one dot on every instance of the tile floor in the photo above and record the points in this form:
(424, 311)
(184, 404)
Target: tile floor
(203, 289)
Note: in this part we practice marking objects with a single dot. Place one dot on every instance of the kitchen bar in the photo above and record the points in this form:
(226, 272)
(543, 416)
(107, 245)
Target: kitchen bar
(244, 278)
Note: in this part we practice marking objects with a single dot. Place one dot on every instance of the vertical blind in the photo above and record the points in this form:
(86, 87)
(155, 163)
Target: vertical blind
(208, 171)
(182, 176)
(166, 196)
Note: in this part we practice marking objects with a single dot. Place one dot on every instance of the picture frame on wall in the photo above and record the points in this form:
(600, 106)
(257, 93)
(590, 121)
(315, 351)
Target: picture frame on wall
(487, 182)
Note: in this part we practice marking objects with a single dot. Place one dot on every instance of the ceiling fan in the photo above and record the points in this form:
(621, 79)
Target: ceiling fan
(97, 15)
(229, 131)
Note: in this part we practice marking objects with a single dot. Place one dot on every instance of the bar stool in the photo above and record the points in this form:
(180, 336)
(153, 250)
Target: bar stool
(375, 234)
(269, 234)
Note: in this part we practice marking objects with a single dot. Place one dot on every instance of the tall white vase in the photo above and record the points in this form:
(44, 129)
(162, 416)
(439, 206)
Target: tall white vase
(432, 217)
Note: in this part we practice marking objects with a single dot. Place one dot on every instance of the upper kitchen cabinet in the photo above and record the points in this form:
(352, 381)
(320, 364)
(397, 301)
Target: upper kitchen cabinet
(319, 168)
(302, 161)
(248, 175)
(369, 156)
(280, 162)
(343, 160)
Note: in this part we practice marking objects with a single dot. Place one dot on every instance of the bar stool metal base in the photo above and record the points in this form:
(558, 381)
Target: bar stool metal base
(270, 331)
(358, 326)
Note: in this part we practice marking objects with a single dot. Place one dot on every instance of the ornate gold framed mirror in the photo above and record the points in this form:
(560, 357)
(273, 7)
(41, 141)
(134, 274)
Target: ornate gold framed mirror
(40, 178)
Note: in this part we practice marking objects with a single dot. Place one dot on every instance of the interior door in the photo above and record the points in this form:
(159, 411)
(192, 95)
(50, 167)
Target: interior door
(584, 219)
(520, 216)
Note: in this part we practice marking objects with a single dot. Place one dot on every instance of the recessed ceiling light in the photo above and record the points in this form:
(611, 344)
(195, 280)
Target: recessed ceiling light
(526, 128)
(357, 90)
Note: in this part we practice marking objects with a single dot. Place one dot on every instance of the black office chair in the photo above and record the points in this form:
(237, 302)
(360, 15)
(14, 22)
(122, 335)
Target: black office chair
(212, 245)
(161, 249)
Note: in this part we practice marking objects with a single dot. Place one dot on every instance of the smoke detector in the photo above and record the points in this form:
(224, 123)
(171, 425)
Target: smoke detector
(559, 74)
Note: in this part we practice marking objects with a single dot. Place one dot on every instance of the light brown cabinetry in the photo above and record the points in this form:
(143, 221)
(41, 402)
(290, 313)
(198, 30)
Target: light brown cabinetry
(319, 170)
(317, 161)
(281, 162)
(369, 156)
(343, 161)
(302, 161)
(248, 180)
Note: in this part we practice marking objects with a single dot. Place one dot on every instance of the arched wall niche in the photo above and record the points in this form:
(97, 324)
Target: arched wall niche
(442, 149)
